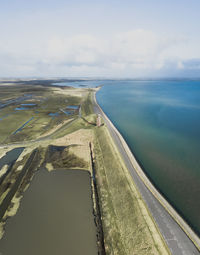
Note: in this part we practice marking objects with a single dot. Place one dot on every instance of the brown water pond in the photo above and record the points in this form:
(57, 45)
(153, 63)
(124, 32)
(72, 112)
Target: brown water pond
(55, 217)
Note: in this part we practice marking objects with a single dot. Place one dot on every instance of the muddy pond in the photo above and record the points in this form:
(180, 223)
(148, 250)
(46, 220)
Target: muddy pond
(55, 217)
(8, 159)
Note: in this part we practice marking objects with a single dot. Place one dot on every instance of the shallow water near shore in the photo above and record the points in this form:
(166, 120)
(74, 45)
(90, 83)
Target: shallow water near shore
(160, 121)
(55, 217)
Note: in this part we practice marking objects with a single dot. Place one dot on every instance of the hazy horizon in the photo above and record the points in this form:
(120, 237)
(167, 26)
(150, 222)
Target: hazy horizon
(121, 39)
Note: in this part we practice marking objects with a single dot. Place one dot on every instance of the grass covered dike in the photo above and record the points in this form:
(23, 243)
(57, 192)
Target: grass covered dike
(127, 224)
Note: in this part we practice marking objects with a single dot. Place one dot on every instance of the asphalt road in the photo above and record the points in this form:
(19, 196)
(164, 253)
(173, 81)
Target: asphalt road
(176, 239)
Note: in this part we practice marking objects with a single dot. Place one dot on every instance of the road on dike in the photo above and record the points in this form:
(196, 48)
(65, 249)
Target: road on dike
(176, 239)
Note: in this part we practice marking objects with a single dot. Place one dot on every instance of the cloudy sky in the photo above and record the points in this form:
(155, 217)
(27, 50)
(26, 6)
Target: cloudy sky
(104, 38)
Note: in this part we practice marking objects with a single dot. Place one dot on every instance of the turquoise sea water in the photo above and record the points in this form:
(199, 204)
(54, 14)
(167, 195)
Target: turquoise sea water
(160, 121)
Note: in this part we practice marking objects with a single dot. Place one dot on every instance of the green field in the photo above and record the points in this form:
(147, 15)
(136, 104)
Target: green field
(45, 114)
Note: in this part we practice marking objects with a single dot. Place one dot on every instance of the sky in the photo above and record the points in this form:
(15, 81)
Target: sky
(104, 38)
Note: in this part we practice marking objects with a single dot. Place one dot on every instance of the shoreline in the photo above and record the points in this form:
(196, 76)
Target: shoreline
(179, 220)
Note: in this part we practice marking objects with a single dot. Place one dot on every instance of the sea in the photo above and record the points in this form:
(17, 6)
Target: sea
(160, 121)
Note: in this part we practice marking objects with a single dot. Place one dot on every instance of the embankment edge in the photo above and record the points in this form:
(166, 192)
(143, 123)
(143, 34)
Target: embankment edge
(181, 222)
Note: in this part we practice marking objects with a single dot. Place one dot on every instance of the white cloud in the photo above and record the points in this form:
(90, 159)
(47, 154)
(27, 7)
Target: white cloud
(81, 49)
(139, 48)
(136, 46)
(130, 53)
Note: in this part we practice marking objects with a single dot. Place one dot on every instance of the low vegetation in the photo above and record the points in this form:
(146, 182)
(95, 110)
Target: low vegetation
(62, 157)
(125, 228)
(62, 141)
(42, 106)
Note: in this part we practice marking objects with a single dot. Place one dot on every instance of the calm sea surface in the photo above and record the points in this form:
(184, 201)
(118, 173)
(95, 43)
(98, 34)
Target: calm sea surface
(160, 121)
